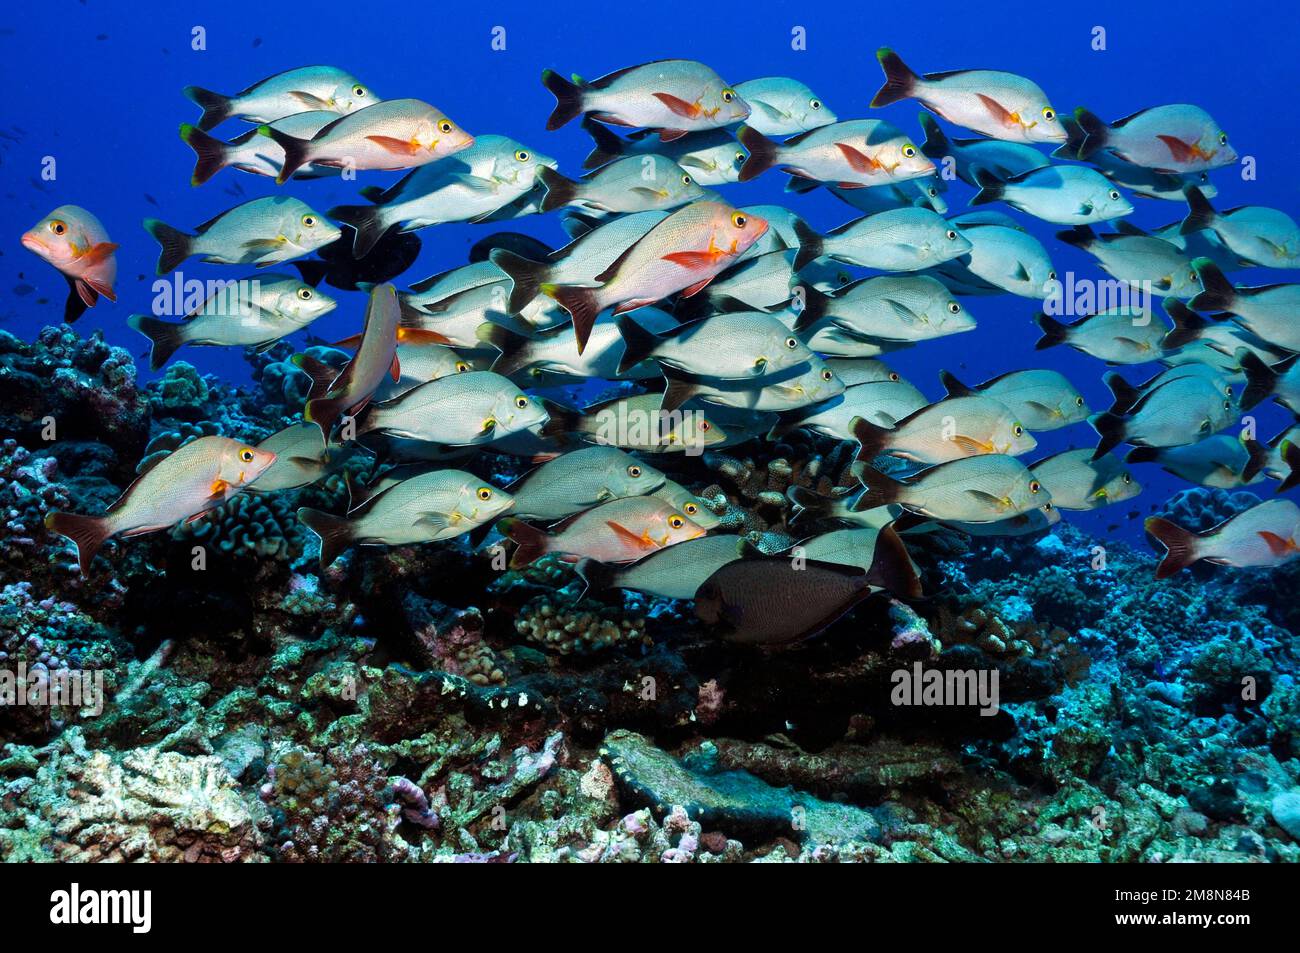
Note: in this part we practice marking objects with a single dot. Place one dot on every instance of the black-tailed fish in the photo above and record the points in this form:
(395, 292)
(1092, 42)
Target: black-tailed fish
(1284, 459)
(683, 253)
(1267, 311)
(882, 403)
(734, 345)
(1003, 257)
(1078, 482)
(774, 600)
(462, 410)
(301, 458)
(1117, 336)
(672, 573)
(1255, 234)
(631, 184)
(856, 153)
(781, 106)
(581, 479)
(673, 96)
(1183, 411)
(880, 314)
(688, 504)
(250, 152)
(345, 392)
(806, 383)
(467, 186)
(1280, 381)
(424, 509)
(394, 134)
(620, 531)
(946, 430)
(849, 506)
(904, 239)
(1038, 399)
(764, 283)
(637, 423)
(997, 104)
(419, 362)
(980, 489)
(254, 312)
(1127, 395)
(1192, 332)
(555, 352)
(781, 231)
(1063, 194)
(76, 243)
(1137, 258)
(925, 192)
(1177, 139)
(1264, 535)
(1221, 461)
(325, 88)
(181, 487)
(863, 370)
(712, 158)
(1024, 524)
(1002, 159)
(261, 232)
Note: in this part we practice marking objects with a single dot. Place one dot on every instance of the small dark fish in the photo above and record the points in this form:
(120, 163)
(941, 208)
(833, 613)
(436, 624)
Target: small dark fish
(23, 289)
(1134, 514)
(392, 255)
(257, 41)
(39, 186)
(1112, 527)
(101, 37)
(151, 200)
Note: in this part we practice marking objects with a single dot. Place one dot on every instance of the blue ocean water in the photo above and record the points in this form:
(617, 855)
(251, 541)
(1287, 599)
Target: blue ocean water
(96, 85)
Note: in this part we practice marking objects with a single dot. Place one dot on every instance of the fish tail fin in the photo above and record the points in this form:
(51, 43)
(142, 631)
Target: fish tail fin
(511, 345)
(526, 276)
(596, 575)
(216, 108)
(1260, 378)
(762, 152)
(583, 305)
(1217, 292)
(175, 244)
(936, 144)
(530, 542)
(1200, 213)
(568, 99)
(991, 188)
(879, 489)
(1110, 427)
(607, 145)
(1291, 457)
(211, 153)
(678, 389)
(368, 223)
(1188, 325)
(1095, 133)
(560, 189)
(1074, 137)
(811, 244)
(164, 337)
(1257, 455)
(1081, 236)
(891, 566)
(562, 420)
(1180, 545)
(815, 305)
(1054, 332)
(88, 532)
(1125, 394)
(325, 411)
(335, 532)
(872, 440)
(297, 152)
(900, 81)
(809, 504)
(638, 343)
(1142, 455)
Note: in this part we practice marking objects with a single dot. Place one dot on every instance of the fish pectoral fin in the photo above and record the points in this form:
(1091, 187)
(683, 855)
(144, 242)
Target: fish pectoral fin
(1180, 150)
(1043, 408)
(696, 288)
(310, 101)
(648, 193)
(1276, 544)
(218, 488)
(988, 499)
(97, 253)
(396, 369)
(622, 532)
(409, 336)
(971, 446)
(678, 106)
(265, 244)
(998, 111)
(857, 160)
(85, 292)
(401, 147)
(475, 182)
(438, 521)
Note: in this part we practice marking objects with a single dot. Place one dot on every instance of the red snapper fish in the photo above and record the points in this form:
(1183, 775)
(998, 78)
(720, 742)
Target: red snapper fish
(73, 241)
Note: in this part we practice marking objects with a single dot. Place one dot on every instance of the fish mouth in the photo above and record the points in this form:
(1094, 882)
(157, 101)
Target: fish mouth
(34, 244)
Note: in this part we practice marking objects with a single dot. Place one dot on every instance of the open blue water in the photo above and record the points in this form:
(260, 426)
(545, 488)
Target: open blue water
(97, 86)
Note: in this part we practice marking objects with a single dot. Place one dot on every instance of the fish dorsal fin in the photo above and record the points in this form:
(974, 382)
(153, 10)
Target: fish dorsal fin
(953, 386)
(795, 140)
(1126, 228)
(603, 82)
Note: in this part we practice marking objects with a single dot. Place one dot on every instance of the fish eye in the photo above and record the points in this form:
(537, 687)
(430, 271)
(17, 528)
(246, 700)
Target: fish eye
(843, 278)
(521, 401)
(740, 157)
(1018, 430)
(1128, 478)
(932, 192)
(1051, 276)
(728, 95)
(1049, 113)
(485, 493)
(1227, 405)
(461, 367)
(522, 155)
(827, 376)
(445, 127)
(952, 235)
(1034, 486)
(909, 151)
(1223, 138)
(815, 103)
(1078, 401)
(1228, 390)
(1114, 195)
(359, 92)
(705, 426)
(58, 227)
(738, 219)
(634, 471)
(893, 376)
(304, 294)
(792, 343)
(686, 179)
(309, 220)
(691, 509)
(246, 455)
(676, 522)
(1047, 507)
(954, 307)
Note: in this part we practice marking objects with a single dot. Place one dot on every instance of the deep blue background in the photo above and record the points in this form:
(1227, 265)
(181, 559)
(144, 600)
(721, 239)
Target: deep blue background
(97, 86)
